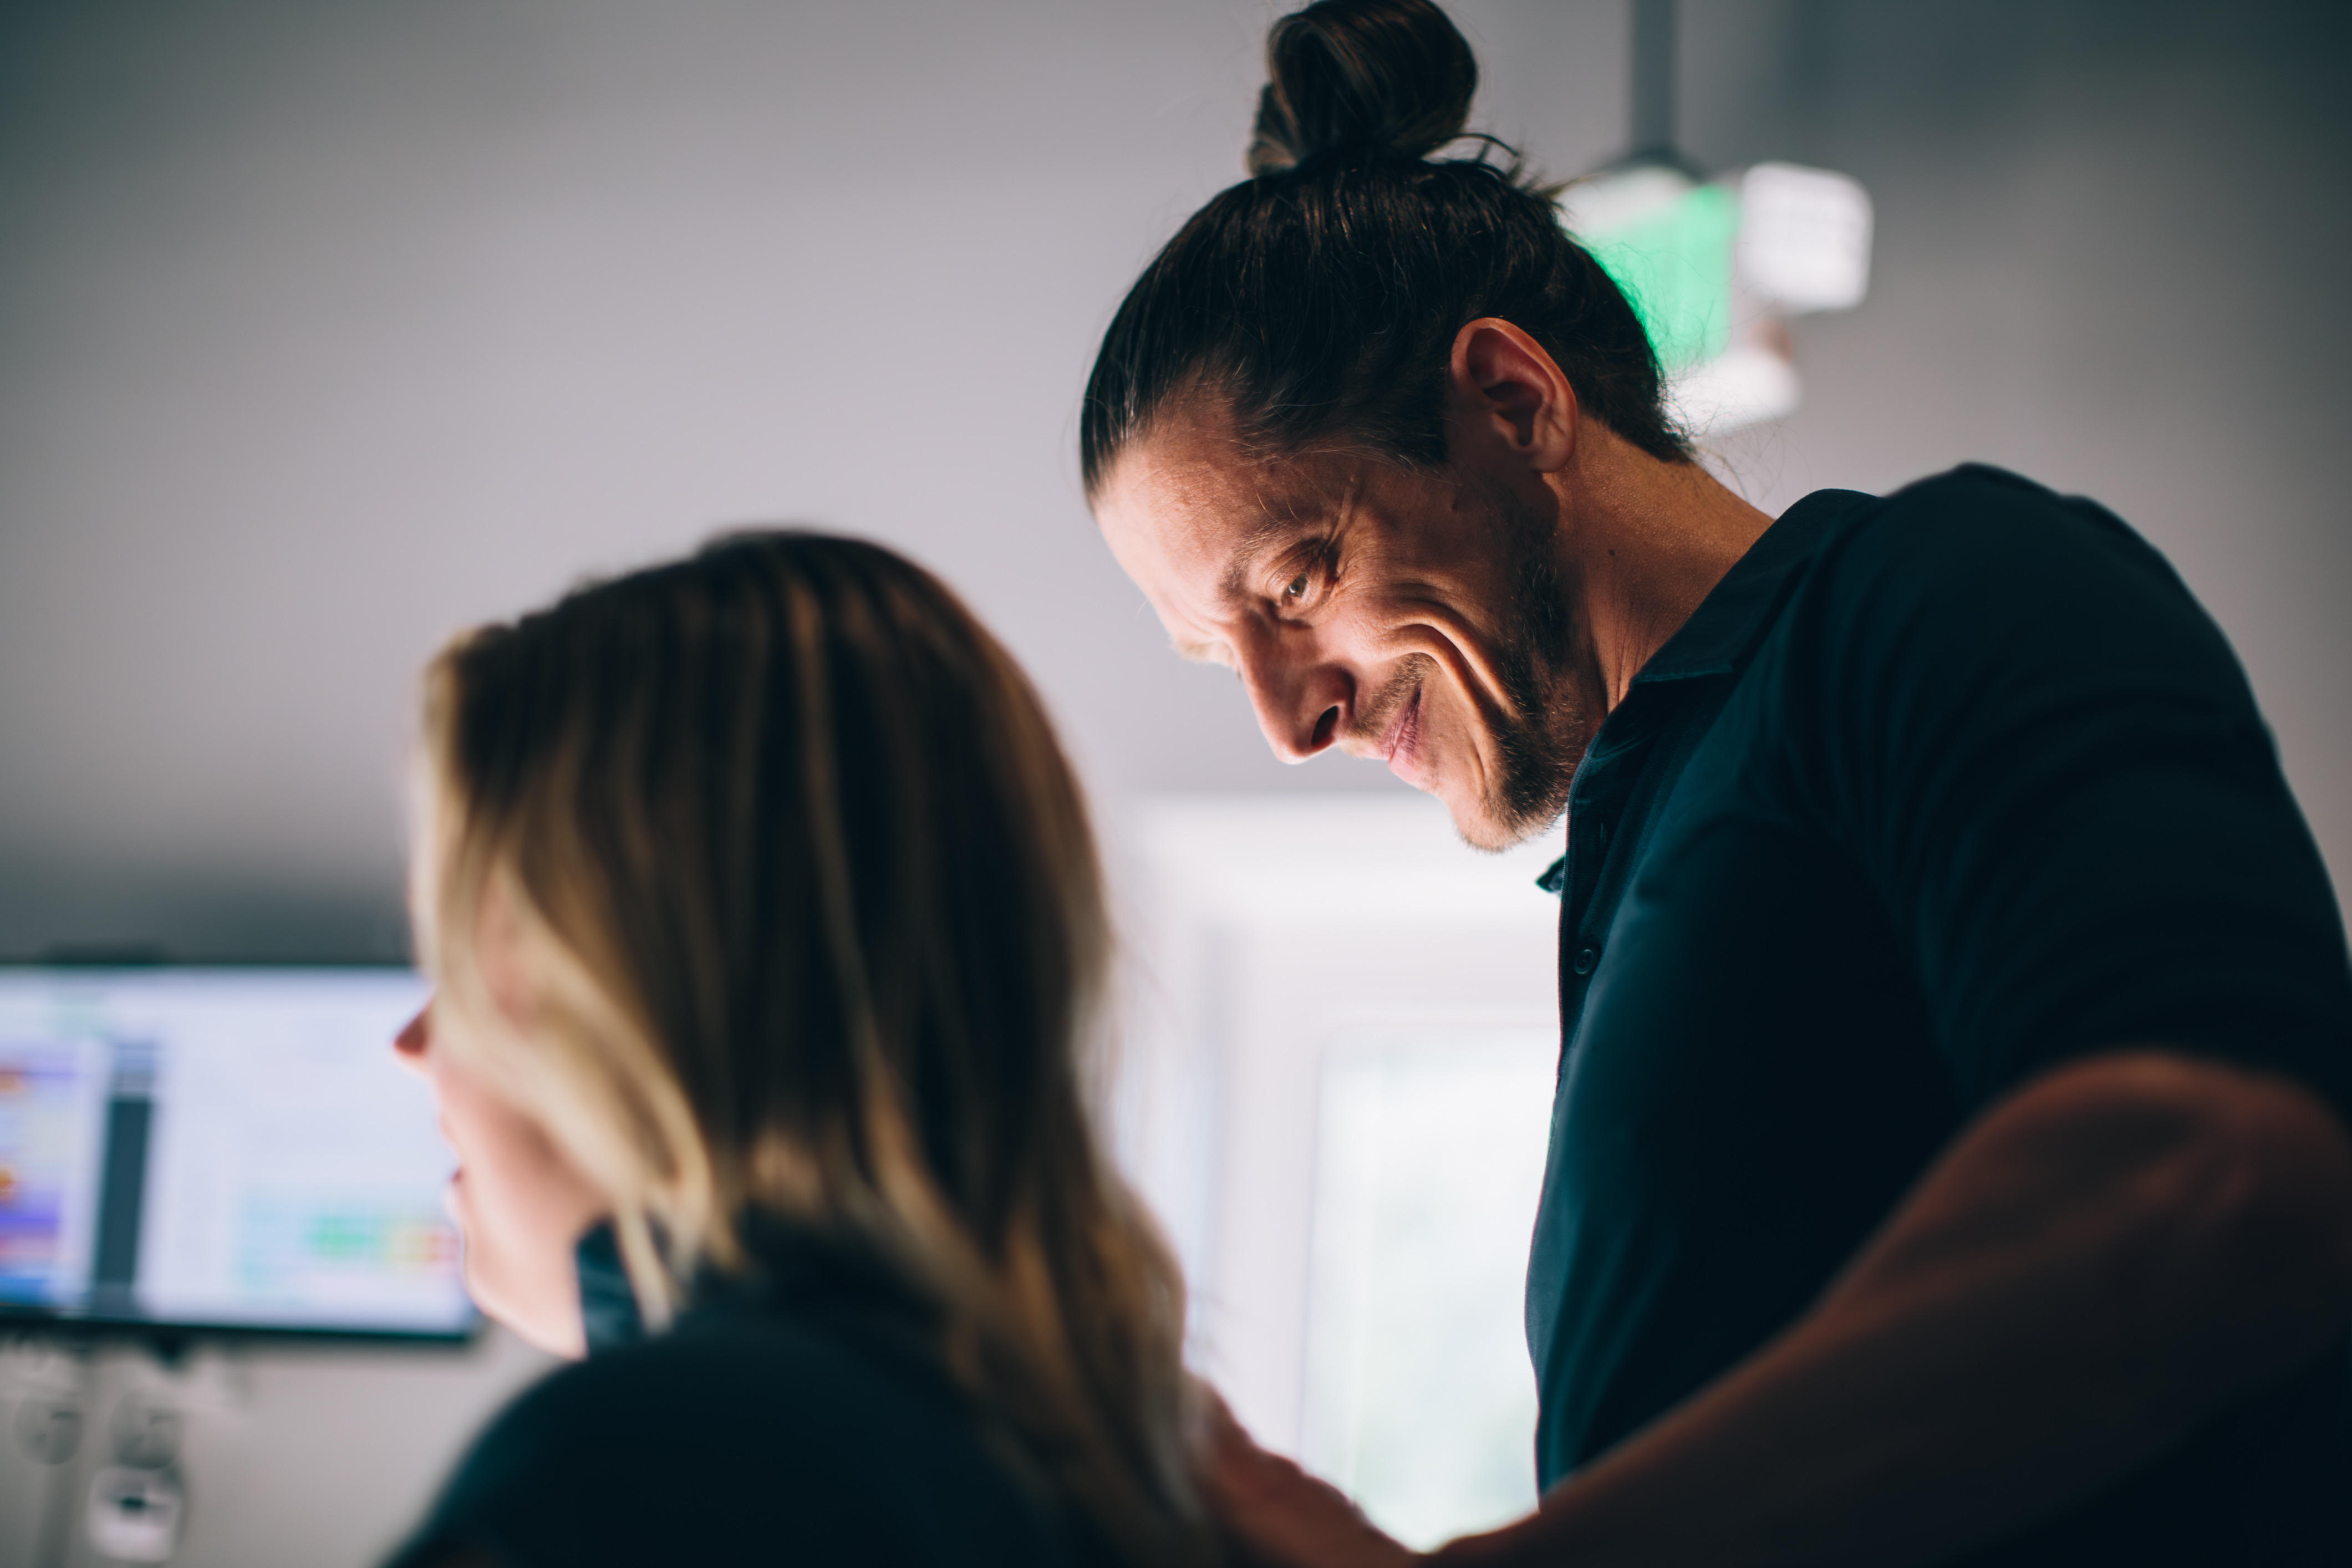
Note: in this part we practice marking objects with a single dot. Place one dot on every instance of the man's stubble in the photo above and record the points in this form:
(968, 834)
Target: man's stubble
(1550, 720)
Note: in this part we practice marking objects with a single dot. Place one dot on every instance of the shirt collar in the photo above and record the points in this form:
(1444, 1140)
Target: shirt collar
(1724, 629)
(1729, 620)
(608, 1302)
(789, 1265)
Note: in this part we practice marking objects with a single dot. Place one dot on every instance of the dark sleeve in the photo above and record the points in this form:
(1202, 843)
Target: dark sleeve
(2048, 763)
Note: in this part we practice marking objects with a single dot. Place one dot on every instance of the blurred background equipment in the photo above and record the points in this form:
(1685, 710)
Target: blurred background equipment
(192, 1150)
(189, 1153)
(1715, 266)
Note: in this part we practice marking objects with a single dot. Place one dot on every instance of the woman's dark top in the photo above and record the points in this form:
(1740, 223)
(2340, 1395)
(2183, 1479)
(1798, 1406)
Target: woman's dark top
(792, 1416)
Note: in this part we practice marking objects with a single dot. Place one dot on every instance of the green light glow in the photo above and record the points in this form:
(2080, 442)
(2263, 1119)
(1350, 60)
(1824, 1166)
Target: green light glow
(1675, 265)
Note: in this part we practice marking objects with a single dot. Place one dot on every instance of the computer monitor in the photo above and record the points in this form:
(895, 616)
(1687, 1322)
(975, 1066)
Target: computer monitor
(189, 1149)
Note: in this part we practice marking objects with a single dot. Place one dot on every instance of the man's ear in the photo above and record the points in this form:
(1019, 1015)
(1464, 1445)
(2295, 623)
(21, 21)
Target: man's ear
(1506, 389)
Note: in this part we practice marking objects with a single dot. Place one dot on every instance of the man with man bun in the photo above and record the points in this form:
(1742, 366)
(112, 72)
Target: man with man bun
(1950, 1155)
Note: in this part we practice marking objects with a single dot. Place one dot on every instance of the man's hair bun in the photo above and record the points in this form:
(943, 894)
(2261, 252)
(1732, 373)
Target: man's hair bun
(1361, 78)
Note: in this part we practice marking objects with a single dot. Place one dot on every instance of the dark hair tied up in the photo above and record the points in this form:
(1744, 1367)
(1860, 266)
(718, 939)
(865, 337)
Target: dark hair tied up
(1352, 77)
(1319, 299)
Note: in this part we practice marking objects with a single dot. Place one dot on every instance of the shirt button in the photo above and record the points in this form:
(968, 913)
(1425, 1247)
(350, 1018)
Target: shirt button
(1585, 959)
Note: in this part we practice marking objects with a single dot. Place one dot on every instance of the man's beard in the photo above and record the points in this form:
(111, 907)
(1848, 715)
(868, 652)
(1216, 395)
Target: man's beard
(1542, 736)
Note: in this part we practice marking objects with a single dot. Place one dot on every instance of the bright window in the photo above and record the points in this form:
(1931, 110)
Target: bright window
(1419, 1399)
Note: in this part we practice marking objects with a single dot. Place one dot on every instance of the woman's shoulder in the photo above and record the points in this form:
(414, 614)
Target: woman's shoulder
(738, 1435)
(737, 1379)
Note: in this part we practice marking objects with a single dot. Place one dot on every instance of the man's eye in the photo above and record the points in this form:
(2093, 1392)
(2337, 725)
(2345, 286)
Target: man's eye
(1296, 589)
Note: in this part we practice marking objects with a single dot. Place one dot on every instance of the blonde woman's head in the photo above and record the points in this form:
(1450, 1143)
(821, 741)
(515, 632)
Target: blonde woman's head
(757, 884)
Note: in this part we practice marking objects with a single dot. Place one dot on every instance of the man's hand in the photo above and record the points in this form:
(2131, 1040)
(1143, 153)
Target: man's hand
(1275, 1514)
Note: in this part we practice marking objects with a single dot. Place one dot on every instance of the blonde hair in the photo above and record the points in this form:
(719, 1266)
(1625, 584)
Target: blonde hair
(812, 922)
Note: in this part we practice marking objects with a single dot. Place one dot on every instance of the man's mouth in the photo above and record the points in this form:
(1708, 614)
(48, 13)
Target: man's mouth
(1403, 747)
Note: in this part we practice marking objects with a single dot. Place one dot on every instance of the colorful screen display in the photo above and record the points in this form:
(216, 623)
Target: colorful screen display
(221, 1147)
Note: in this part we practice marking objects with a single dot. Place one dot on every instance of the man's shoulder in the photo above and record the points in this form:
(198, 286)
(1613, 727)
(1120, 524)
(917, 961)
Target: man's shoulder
(1978, 510)
(1975, 483)
(1977, 582)
(1981, 546)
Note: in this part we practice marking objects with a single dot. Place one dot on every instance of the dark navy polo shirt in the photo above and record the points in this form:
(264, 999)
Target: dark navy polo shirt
(1931, 793)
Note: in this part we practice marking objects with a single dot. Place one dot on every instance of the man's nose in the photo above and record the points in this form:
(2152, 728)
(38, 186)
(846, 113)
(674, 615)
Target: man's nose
(1299, 706)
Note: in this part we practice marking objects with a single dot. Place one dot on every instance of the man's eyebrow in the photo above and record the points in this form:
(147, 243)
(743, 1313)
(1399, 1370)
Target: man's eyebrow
(1198, 652)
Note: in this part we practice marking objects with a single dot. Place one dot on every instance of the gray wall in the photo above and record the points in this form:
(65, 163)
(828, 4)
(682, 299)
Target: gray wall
(326, 330)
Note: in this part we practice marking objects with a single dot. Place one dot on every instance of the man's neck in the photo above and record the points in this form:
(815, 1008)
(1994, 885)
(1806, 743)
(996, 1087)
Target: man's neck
(1644, 541)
